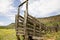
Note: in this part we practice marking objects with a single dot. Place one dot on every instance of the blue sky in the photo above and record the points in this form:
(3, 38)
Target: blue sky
(37, 8)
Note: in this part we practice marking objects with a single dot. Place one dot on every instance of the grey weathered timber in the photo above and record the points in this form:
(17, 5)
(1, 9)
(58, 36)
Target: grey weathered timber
(22, 3)
(27, 25)
(29, 29)
(25, 21)
(16, 21)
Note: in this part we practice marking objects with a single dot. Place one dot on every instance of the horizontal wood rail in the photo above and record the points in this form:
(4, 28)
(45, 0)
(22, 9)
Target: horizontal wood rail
(27, 25)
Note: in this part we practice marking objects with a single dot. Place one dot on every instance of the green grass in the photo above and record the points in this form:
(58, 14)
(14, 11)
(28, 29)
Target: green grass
(52, 24)
(7, 34)
(55, 35)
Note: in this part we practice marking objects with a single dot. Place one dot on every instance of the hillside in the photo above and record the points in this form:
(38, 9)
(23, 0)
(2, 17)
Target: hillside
(10, 26)
(8, 32)
(2, 27)
(50, 21)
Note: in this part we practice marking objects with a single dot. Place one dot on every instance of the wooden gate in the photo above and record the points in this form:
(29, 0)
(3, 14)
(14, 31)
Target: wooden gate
(31, 27)
(27, 25)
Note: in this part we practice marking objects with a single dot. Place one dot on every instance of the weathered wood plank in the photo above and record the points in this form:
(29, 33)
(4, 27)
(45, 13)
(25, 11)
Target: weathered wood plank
(20, 33)
(30, 25)
(16, 25)
(21, 23)
(22, 3)
(37, 31)
(25, 20)
(21, 17)
(33, 18)
(29, 19)
(29, 28)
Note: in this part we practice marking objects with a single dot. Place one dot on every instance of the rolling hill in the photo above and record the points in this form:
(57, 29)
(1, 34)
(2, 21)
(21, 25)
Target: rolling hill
(10, 26)
(8, 32)
(48, 21)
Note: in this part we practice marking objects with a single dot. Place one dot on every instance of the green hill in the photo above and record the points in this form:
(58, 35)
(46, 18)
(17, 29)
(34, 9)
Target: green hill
(2, 27)
(10, 26)
(8, 32)
(50, 21)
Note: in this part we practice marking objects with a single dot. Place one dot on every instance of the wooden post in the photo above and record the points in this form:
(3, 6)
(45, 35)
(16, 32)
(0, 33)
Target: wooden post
(16, 22)
(18, 11)
(40, 29)
(27, 6)
(25, 24)
(34, 28)
(26, 16)
(25, 21)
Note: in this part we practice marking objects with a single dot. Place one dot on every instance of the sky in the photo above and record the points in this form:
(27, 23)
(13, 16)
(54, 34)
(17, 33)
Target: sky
(37, 8)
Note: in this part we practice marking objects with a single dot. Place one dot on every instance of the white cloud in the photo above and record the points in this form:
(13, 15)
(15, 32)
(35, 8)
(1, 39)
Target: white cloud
(11, 17)
(22, 0)
(37, 8)
(4, 5)
(7, 10)
(42, 8)
(2, 23)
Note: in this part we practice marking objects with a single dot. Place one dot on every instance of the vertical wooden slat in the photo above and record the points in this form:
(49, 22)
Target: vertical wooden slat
(16, 24)
(25, 20)
(40, 29)
(25, 25)
(36, 22)
(18, 11)
(34, 29)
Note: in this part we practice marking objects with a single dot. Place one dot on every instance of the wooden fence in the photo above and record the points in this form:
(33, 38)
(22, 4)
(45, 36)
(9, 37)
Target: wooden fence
(31, 27)
(28, 25)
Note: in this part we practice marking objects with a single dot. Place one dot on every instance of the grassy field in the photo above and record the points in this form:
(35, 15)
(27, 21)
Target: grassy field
(7, 34)
(53, 35)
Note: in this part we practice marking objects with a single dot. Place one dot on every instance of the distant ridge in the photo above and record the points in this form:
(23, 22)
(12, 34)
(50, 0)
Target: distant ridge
(48, 21)
(10, 26)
